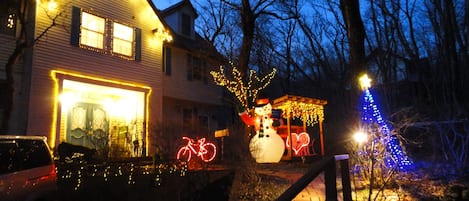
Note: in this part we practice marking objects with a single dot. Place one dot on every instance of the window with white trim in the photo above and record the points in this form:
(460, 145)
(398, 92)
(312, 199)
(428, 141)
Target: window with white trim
(122, 39)
(92, 30)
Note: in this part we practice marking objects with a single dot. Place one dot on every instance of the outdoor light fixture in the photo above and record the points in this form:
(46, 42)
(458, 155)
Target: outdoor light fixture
(11, 21)
(162, 34)
(49, 4)
(360, 137)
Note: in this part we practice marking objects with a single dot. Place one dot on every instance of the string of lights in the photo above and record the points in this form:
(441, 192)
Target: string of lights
(309, 113)
(235, 84)
(394, 155)
(79, 172)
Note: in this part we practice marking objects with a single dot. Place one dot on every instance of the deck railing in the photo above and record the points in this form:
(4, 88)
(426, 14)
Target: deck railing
(328, 166)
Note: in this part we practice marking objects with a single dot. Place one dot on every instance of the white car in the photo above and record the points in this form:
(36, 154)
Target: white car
(27, 169)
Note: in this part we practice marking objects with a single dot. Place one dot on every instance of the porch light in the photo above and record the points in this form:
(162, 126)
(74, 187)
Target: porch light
(50, 5)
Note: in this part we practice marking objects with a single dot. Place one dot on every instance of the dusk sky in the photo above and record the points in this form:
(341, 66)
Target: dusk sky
(162, 4)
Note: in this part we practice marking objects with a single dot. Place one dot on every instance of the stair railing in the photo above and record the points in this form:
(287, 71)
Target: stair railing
(328, 166)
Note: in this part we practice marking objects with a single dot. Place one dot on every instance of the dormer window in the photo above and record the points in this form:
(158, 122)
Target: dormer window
(186, 25)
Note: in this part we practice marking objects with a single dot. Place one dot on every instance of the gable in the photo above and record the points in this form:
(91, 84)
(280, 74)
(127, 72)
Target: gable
(180, 17)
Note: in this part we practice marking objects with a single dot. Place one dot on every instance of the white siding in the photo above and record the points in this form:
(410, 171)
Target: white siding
(179, 87)
(54, 52)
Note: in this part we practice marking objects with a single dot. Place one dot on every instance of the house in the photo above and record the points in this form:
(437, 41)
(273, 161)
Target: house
(193, 103)
(93, 79)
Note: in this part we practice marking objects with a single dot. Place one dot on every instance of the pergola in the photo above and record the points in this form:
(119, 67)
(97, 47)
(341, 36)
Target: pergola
(309, 110)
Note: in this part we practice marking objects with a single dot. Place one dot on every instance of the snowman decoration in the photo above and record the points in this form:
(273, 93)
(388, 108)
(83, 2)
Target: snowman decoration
(266, 146)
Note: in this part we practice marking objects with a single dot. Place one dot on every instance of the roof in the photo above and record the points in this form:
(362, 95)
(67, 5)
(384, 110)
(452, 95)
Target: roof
(178, 6)
(198, 44)
(157, 12)
(309, 110)
(299, 99)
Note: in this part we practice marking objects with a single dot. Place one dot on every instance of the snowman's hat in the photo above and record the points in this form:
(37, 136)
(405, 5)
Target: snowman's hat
(261, 102)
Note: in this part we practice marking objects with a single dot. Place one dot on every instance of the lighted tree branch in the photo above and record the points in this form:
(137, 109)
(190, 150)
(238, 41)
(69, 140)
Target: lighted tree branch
(244, 92)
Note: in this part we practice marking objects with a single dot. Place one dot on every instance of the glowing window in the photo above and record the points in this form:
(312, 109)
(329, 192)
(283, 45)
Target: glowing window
(92, 30)
(122, 39)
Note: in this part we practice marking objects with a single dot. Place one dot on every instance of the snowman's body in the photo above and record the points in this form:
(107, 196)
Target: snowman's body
(266, 146)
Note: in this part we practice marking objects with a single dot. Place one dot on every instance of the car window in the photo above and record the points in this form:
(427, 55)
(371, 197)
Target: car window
(18, 155)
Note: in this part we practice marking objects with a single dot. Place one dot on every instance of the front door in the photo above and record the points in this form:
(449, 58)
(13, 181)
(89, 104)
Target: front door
(88, 125)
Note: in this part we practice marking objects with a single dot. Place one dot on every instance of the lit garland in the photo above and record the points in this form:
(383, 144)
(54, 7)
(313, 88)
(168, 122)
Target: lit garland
(243, 92)
(307, 112)
(78, 172)
(394, 155)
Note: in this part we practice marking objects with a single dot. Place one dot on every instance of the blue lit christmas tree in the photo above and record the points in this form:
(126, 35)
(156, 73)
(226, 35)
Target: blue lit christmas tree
(394, 156)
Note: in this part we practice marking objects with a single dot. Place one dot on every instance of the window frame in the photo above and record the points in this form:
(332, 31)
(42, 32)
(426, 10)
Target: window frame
(86, 46)
(114, 38)
(167, 57)
(186, 24)
(196, 68)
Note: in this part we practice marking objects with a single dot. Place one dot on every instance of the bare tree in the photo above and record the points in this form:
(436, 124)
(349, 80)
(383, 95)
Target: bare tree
(22, 13)
(249, 12)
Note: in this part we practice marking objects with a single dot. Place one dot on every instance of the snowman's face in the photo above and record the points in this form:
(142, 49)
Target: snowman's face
(264, 110)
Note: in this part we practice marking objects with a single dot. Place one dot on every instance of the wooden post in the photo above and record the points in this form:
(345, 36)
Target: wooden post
(345, 175)
(330, 181)
(321, 136)
(289, 136)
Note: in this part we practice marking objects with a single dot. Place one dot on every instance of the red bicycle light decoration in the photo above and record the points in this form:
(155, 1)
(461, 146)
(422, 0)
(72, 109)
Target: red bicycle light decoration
(205, 150)
(299, 141)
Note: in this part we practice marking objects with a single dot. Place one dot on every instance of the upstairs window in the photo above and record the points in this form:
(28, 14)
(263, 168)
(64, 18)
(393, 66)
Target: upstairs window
(92, 30)
(196, 68)
(123, 38)
(186, 24)
(167, 60)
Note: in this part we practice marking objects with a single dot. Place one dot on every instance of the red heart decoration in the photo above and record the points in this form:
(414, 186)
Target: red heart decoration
(299, 141)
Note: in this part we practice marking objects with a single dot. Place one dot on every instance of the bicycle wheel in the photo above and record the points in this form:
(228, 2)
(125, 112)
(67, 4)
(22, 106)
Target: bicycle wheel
(184, 154)
(209, 153)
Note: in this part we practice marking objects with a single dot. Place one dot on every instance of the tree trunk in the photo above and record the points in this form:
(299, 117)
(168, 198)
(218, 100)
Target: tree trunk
(248, 20)
(10, 87)
(356, 36)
